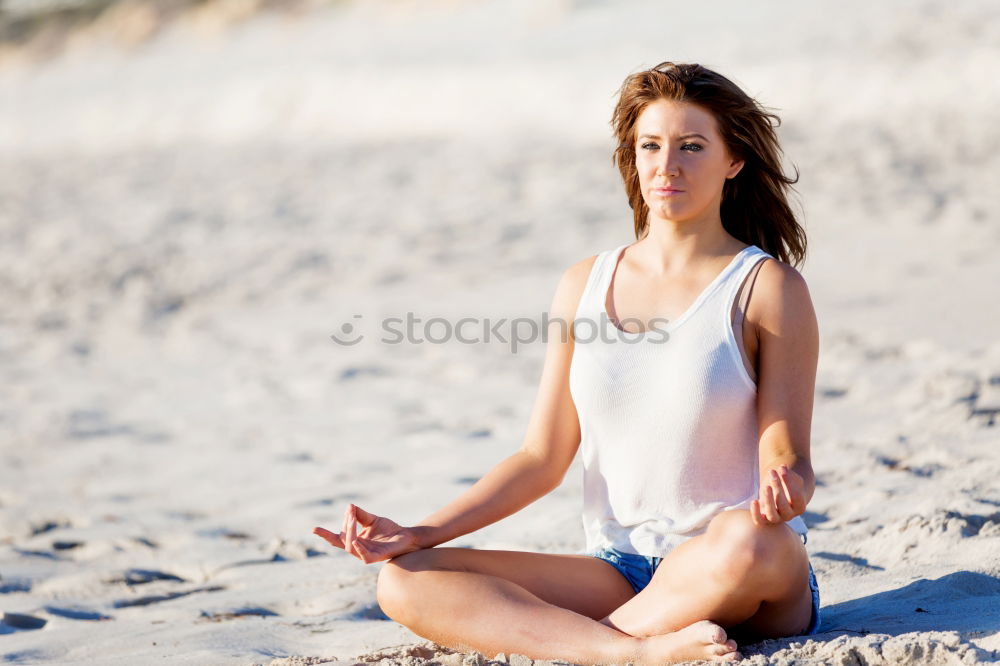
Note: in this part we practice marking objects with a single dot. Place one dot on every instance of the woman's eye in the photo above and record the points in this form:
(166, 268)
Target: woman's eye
(652, 146)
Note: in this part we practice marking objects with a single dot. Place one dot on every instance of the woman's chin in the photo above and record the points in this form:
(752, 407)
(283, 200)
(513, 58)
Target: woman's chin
(671, 213)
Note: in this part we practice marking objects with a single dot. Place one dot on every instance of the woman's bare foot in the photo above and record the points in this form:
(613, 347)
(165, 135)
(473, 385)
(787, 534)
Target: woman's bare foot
(700, 640)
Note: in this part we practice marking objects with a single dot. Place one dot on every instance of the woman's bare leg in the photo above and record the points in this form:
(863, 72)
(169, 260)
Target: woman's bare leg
(751, 580)
(439, 594)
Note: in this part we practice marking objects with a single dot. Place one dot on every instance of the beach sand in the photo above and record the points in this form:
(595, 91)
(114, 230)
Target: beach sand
(185, 221)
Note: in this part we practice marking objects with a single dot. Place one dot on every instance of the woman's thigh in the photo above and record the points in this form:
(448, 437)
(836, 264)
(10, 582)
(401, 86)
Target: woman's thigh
(580, 583)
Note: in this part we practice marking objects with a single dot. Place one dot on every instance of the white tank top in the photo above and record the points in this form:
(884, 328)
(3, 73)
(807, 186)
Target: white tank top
(668, 417)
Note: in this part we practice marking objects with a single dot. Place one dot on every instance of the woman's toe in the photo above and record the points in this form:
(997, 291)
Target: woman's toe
(713, 632)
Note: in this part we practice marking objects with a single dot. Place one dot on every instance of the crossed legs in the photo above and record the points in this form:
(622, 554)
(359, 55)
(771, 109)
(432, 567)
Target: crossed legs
(748, 579)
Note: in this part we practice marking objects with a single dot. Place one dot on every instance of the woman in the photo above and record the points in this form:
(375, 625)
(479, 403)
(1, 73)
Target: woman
(693, 419)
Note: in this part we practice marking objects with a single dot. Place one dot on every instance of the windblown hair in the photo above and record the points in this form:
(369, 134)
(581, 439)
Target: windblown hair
(754, 206)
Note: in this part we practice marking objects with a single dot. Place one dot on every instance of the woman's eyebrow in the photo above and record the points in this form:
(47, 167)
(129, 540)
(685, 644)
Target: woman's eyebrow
(682, 136)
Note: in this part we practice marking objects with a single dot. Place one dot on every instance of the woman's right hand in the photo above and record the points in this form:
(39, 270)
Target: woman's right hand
(370, 538)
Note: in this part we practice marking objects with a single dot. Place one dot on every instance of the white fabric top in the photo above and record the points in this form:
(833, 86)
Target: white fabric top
(668, 417)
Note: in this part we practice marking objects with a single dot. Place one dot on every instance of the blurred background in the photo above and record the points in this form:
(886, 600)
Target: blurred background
(195, 194)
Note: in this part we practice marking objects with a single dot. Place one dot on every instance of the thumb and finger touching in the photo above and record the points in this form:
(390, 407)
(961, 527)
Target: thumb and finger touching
(344, 538)
(355, 520)
(777, 500)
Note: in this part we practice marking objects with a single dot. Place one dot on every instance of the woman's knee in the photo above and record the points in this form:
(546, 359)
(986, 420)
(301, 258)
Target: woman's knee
(390, 589)
(394, 588)
(734, 531)
(746, 548)
(394, 583)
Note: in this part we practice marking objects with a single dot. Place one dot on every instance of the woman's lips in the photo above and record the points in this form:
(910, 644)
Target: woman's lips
(667, 192)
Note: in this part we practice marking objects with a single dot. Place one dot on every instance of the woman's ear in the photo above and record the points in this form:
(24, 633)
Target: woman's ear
(734, 168)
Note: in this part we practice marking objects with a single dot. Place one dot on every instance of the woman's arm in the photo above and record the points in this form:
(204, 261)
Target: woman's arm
(549, 446)
(788, 356)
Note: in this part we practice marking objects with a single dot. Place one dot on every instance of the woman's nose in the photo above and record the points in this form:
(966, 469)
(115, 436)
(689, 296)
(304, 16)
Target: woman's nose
(669, 164)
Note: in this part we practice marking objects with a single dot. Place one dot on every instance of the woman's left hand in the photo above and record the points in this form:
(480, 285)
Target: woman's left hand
(782, 497)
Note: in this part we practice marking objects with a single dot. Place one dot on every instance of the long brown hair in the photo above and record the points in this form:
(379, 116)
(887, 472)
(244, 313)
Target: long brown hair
(754, 205)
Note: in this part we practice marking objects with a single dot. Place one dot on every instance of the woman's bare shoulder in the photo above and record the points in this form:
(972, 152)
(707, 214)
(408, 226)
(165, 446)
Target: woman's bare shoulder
(780, 293)
(580, 271)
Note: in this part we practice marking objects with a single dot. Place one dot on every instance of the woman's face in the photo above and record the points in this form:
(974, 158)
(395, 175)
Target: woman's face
(678, 147)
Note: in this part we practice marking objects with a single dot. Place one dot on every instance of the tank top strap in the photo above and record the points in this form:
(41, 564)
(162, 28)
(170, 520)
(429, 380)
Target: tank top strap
(745, 291)
(751, 257)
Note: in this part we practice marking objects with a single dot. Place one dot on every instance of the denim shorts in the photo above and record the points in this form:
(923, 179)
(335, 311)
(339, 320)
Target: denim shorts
(815, 619)
(638, 571)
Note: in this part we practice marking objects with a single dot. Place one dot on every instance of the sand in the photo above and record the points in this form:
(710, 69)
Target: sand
(185, 221)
